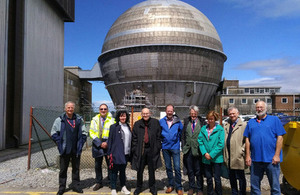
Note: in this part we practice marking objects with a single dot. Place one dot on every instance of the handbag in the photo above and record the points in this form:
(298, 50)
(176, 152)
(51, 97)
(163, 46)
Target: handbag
(224, 171)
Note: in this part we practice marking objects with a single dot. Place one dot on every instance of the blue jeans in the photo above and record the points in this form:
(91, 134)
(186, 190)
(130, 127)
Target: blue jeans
(210, 170)
(234, 175)
(194, 168)
(175, 154)
(98, 168)
(257, 171)
(114, 174)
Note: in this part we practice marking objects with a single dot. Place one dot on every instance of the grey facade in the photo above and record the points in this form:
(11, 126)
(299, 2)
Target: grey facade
(168, 50)
(77, 90)
(31, 62)
(244, 98)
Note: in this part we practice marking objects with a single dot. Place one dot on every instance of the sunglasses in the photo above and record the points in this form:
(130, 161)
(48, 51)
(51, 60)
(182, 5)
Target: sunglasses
(103, 108)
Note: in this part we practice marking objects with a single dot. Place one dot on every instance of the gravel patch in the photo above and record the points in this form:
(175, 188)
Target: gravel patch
(14, 174)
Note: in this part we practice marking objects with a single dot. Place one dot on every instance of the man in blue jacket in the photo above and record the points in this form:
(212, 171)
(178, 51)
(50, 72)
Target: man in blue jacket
(69, 132)
(171, 136)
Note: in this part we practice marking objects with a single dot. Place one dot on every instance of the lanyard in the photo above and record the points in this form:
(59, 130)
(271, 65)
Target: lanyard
(72, 125)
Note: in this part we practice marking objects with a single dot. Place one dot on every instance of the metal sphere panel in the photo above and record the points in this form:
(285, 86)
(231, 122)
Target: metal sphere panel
(204, 66)
(162, 22)
(161, 93)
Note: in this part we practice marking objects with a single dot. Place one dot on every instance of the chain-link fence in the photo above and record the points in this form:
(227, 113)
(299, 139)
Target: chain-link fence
(44, 150)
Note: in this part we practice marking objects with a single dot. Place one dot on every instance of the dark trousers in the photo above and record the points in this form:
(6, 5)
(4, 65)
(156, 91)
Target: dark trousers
(64, 164)
(239, 175)
(213, 170)
(194, 168)
(114, 175)
(98, 168)
(146, 159)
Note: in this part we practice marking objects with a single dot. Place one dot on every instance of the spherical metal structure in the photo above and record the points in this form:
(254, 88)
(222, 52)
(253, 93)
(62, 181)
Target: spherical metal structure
(165, 48)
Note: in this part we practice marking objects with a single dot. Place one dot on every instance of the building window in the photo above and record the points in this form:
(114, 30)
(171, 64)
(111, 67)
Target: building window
(267, 90)
(277, 90)
(247, 90)
(244, 101)
(297, 100)
(284, 100)
(256, 90)
(261, 90)
(231, 101)
(269, 101)
(70, 81)
(255, 100)
(251, 91)
(272, 90)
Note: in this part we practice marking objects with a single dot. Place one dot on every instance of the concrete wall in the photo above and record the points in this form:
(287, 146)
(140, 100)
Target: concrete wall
(3, 68)
(43, 60)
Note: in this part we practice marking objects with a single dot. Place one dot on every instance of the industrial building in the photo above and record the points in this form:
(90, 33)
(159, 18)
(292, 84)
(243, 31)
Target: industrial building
(77, 90)
(245, 97)
(31, 62)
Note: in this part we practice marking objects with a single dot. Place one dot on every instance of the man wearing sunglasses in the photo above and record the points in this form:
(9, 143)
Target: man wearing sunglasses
(99, 132)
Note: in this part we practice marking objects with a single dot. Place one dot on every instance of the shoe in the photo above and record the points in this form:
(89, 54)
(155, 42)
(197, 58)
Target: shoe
(124, 190)
(179, 192)
(60, 192)
(113, 192)
(190, 192)
(78, 190)
(153, 192)
(199, 193)
(97, 186)
(169, 189)
(137, 191)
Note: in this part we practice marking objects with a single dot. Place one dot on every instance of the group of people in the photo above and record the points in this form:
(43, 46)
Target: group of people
(205, 144)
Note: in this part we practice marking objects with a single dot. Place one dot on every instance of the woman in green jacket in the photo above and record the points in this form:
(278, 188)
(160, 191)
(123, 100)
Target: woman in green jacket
(211, 144)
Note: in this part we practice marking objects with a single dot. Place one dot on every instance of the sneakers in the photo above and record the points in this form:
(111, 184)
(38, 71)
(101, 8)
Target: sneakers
(124, 190)
(113, 192)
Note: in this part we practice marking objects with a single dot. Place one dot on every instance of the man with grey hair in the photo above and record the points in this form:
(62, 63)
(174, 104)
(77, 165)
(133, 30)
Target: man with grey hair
(191, 153)
(264, 137)
(69, 133)
(234, 151)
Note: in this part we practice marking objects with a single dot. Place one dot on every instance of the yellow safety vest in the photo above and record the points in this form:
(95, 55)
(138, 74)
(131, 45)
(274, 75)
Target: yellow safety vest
(96, 130)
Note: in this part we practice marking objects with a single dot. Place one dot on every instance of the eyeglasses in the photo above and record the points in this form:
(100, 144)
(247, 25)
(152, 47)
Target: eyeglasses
(103, 108)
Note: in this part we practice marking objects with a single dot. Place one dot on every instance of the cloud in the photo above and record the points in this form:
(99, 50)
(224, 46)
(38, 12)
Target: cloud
(270, 8)
(274, 72)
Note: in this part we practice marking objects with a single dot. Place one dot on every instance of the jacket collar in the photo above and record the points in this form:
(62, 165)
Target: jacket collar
(176, 119)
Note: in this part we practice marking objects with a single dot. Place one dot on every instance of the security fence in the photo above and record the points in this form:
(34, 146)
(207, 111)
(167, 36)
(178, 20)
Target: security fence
(43, 150)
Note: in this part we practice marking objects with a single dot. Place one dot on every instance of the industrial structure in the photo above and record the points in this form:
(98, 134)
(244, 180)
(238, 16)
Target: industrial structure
(31, 62)
(167, 51)
(245, 98)
(77, 90)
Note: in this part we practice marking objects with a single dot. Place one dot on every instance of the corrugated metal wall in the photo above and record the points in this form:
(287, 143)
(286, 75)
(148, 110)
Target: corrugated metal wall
(3, 68)
(43, 59)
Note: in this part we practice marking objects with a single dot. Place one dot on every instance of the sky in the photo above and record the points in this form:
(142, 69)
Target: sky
(261, 39)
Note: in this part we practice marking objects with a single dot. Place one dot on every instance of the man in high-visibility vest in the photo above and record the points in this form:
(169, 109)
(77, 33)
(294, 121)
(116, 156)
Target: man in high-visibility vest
(99, 132)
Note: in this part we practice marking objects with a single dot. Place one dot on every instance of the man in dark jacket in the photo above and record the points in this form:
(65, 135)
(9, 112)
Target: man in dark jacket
(145, 149)
(191, 152)
(69, 132)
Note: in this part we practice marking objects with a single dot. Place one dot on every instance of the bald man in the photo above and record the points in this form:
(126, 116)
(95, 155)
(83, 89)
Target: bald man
(145, 149)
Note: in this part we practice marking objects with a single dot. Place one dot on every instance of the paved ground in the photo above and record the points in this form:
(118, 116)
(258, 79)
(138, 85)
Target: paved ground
(104, 190)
